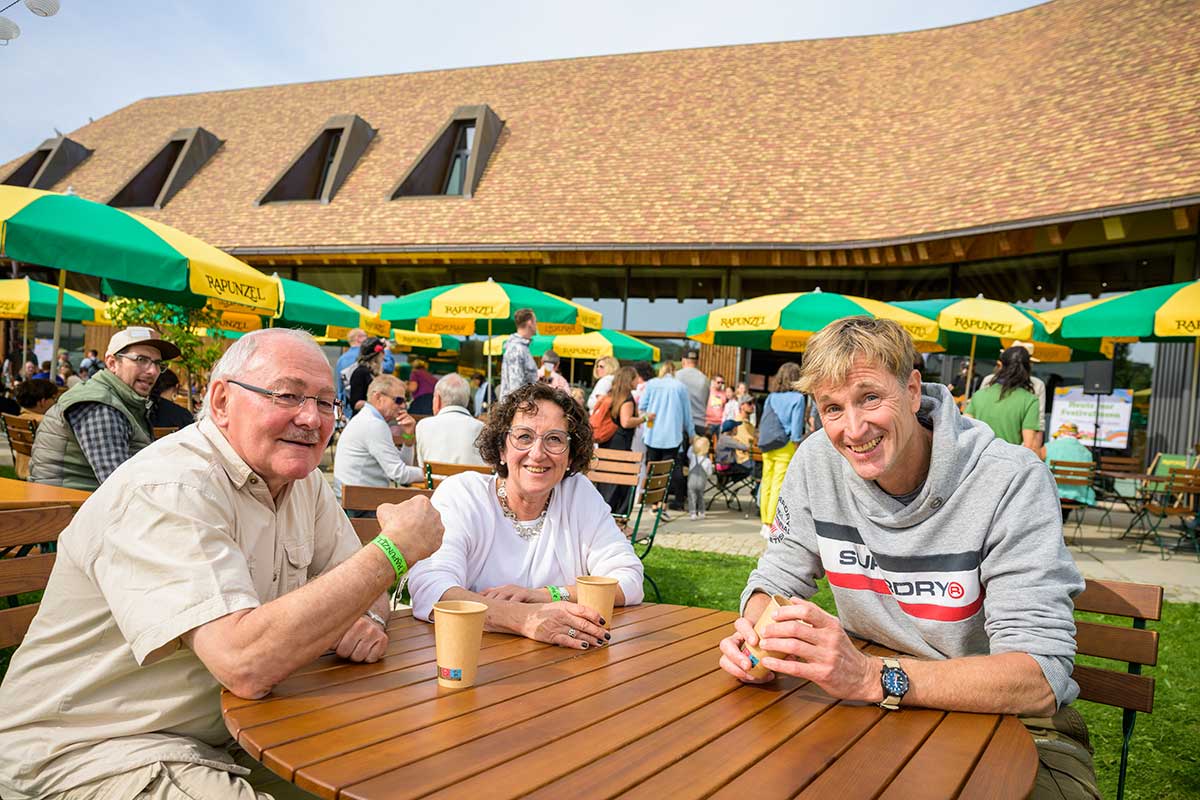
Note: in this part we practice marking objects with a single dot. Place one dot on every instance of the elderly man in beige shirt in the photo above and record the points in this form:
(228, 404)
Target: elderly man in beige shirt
(215, 557)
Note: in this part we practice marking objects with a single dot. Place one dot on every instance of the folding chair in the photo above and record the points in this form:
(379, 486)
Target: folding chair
(20, 432)
(1129, 690)
(369, 498)
(23, 530)
(1112, 491)
(1076, 474)
(617, 468)
(654, 499)
(436, 472)
(1179, 499)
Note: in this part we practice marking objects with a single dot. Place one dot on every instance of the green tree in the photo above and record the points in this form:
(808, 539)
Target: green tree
(1129, 374)
(178, 325)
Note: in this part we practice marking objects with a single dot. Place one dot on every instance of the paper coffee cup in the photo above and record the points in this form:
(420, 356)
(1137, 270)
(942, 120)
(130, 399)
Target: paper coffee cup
(457, 634)
(755, 653)
(599, 593)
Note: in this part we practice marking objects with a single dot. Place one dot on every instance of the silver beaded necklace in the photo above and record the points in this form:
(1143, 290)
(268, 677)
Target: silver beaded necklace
(526, 530)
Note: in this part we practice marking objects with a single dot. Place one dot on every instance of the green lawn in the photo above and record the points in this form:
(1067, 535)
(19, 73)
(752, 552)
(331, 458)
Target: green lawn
(1164, 761)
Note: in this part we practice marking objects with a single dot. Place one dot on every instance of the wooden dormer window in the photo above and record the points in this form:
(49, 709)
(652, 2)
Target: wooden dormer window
(169, 170)
(324, 164)
(48, 164)
(452, 163)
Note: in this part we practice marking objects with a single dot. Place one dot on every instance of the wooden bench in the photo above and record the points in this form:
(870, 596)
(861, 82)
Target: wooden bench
(21, 530)
(1137, 647)
(436, 472)
(369, 498)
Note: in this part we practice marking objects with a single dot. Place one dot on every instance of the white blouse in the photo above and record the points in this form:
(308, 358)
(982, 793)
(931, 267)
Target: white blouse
(481, 550)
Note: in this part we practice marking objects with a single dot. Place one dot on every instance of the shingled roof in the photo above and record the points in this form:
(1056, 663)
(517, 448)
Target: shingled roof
(1065, 109)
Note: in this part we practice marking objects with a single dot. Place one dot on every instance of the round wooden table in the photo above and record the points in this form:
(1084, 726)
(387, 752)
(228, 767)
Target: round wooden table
(650, 715)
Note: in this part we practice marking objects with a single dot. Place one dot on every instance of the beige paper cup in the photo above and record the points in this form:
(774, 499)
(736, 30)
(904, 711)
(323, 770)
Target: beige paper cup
(599, 593)
(458, 635)
(756, 653)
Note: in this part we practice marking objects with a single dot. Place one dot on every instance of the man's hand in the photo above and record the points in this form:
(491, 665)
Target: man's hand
(733, 660)
(822, 651)
(365, 641)
(414, 526)
(517, 594)
(406, 423)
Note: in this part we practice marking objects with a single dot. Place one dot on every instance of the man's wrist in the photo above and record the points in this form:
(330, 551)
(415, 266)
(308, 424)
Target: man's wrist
(376, 618)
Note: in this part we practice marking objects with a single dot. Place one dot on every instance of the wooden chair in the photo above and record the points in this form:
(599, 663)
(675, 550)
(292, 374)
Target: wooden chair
(160, 432)
(22, 530)
(436, 472)
(1112, 491)
(369, 498)
(650, 509)
(1137, 647)
(20, 432)
(617, 468)
(1073, 473)
(1180, 498)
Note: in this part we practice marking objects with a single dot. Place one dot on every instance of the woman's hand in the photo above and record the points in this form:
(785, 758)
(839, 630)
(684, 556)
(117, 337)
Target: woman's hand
(554, 623)
(517, 594)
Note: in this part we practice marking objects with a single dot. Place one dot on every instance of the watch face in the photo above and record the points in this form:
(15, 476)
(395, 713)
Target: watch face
(895, 681)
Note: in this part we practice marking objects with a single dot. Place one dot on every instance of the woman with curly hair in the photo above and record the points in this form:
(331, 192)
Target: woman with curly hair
(516, 540)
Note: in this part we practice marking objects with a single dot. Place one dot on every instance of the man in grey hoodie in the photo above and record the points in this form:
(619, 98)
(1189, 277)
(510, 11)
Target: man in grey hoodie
(937, 538)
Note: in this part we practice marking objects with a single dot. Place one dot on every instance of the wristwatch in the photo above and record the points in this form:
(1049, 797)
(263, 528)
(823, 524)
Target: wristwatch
(371, 615)
(895, 684)
(566, 594)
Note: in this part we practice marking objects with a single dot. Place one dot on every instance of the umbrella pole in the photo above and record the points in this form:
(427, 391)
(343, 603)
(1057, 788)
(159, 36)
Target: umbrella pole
(971, 367)
(62, 285)
(24, 343)
(1191, 435)
(573, 372)
(486, 354)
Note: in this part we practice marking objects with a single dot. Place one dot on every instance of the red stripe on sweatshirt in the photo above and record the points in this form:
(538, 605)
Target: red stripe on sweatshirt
(848, 580)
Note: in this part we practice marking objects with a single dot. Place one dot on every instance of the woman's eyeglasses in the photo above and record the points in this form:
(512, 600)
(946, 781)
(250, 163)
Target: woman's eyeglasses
(553, 442)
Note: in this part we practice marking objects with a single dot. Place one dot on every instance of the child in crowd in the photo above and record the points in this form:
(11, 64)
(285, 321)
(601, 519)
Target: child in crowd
(700, 468)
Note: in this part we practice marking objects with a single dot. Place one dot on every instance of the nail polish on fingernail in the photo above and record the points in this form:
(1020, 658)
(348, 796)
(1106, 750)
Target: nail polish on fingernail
(585, 645)
(602, 622)
(600, 642)
(607, 636)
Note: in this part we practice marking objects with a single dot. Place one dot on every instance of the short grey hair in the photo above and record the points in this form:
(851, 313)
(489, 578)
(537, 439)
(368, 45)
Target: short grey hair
(242, 352)
(386, 385)
(453, 389)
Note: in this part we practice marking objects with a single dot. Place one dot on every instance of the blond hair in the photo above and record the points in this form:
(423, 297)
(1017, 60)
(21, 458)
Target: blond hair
(831, 353)
(666, 368)
(700, 445)
(609, 363)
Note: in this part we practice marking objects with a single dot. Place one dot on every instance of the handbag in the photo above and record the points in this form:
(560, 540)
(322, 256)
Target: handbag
(771, 433)
(603, 425)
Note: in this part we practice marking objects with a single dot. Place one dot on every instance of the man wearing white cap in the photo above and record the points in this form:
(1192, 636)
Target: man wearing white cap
(96, 426)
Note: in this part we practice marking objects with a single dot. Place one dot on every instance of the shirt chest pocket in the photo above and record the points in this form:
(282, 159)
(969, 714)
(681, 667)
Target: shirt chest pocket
(297, 556)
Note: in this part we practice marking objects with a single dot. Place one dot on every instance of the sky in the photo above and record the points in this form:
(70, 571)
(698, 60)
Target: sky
(96, 56)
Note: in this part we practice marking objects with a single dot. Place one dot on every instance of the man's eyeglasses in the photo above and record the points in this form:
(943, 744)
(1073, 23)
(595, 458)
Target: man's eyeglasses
(553, 442)
(325, 406)
(143, 362)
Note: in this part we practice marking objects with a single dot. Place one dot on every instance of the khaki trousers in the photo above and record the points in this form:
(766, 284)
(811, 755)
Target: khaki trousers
(1065, 768)
(177, 780)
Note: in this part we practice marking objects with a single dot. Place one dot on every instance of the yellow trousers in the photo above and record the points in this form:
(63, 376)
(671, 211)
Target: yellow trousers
(775, 464)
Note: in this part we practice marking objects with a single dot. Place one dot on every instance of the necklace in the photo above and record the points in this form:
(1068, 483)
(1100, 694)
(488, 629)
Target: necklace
(526, 530)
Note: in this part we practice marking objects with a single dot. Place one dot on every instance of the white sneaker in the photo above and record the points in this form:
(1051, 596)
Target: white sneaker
(692, 515)
(702, 513)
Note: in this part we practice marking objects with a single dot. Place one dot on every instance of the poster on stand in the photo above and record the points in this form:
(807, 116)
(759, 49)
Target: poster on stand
(1112, 413)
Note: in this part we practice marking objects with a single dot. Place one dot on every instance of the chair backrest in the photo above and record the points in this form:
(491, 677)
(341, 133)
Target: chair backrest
(1120, 464)
(20, 432)
(658, 476)
(1184, 486)
(436, 471)
(369, 498)
(1136, 646)
(20, 529)
(160, 432)
(1164, 462)
(619, 467)
(1073, 473)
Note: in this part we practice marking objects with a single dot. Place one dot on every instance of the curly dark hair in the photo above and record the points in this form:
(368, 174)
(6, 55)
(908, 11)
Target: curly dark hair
(33, 391)
(525, 400)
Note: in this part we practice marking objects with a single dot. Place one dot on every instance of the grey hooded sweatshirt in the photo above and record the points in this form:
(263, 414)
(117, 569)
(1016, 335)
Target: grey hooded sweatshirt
(974, 565)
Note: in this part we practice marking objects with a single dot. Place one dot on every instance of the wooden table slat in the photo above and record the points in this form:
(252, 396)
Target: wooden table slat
(943, 764)
(877, 757)
(795, 763)
(666, 764)
(1007, 768)
(426, 730)
(24, 494)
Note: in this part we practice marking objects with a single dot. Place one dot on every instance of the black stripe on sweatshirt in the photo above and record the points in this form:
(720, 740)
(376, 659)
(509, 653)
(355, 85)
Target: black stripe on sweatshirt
(935, 562)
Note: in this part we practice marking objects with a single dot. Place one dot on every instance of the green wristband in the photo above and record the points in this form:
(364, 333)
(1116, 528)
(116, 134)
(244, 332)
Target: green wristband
(393, 555)
(555, 594)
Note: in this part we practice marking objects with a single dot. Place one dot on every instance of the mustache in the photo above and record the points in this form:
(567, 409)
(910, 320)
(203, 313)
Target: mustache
(302, 435)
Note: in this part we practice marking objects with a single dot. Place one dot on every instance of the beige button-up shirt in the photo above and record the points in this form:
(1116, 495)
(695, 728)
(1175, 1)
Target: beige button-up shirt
(181, 534)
